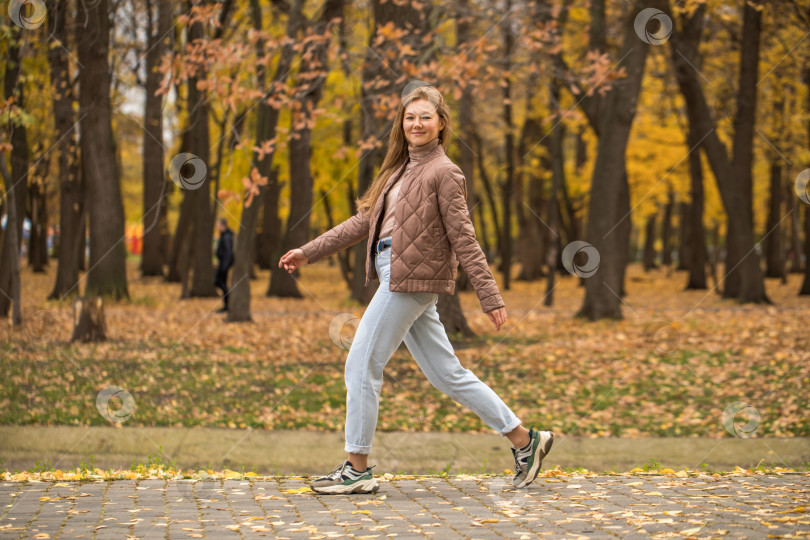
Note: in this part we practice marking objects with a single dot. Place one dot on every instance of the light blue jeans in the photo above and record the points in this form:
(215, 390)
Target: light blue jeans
(390, 318)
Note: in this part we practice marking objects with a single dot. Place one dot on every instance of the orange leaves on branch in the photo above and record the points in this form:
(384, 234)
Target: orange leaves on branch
(253, 184)
(410, 68)
(304, 119)
(600, 73)
(205, 14)
(341, 153)
(367, 144)
(267, 147)
(544, 38)
(407, 50)
(388, 32)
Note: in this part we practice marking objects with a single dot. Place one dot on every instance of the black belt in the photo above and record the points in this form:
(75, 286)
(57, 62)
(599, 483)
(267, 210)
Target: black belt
(381, 245)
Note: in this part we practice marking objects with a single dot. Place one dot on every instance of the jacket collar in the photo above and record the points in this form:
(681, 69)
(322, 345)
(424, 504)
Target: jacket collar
(419, 153)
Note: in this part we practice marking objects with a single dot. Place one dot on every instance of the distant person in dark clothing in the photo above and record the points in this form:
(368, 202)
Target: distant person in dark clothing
(225, 256)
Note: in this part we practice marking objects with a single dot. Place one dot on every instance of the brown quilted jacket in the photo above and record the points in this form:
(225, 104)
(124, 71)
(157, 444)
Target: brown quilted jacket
(432, 234)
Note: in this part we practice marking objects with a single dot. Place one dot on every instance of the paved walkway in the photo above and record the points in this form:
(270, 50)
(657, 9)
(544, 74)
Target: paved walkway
(464, 506)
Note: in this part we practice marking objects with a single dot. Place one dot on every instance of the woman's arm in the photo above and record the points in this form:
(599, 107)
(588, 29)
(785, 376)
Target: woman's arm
(452, 195)
(338, 237)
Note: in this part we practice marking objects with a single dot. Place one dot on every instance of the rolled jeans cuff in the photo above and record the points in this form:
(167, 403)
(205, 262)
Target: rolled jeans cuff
(357, 449)
(511, 426)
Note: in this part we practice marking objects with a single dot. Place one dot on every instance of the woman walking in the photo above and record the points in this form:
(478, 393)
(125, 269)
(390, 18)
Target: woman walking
(419, 228)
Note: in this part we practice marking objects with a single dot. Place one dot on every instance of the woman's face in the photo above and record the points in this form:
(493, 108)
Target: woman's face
(421, 122)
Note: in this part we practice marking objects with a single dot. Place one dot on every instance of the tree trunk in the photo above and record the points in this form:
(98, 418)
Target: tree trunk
(452, 317)
(155, 186)
(107, 273)
(13, 260)
(507, 186)
(182, 233)
(239, 302)
(649, 244)
(795, 251)
(714, 259)
(533, 232)
(694, 237)
(19, 172)
(202, 222)
(309, 90)
(89, 324)
(490, 196)
(83, 228)
(37, 196)
(805, 290)
(666, 231)
(733, 177)
(557, 179)
(751, 280)
(573, 228)
(466, 130)
(683, 225)
(775, 264)
(608, 214)
(624, 229)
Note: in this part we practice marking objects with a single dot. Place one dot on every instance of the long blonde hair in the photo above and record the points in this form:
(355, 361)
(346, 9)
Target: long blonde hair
(398, 145)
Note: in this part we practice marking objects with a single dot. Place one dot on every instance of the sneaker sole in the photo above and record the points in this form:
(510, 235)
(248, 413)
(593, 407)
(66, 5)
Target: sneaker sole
(539, 454)
(362, 486)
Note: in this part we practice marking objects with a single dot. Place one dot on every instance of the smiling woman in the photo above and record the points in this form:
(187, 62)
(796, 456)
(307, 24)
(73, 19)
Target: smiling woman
(417, 190)
(421, 123)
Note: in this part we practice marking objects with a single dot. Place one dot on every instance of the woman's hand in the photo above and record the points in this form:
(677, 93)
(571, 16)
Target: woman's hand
(498, 317)
(293, 259)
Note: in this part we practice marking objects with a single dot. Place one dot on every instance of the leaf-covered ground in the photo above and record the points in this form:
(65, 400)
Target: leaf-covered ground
(671, 367)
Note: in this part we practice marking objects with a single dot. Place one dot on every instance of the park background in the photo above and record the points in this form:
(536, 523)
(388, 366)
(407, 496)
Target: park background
(671, 139)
